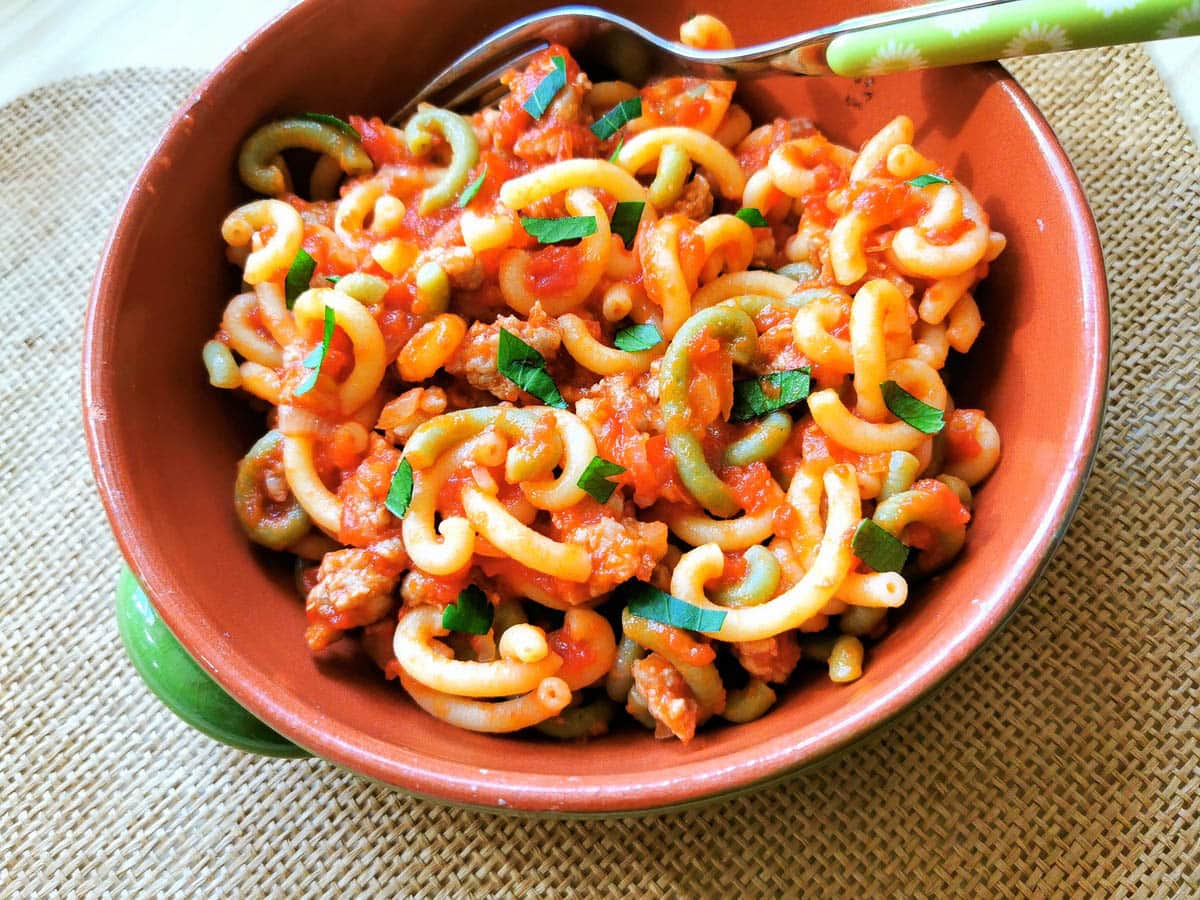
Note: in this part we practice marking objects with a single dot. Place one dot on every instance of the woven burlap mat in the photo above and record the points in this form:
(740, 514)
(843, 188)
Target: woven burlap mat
(1064, 759)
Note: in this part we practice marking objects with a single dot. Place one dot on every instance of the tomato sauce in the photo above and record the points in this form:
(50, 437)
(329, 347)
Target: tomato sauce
(553, 270)
(677, 101)
(753, 487)
(961, 429)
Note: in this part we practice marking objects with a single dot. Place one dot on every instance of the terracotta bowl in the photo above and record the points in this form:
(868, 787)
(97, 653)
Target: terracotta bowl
(164, 443)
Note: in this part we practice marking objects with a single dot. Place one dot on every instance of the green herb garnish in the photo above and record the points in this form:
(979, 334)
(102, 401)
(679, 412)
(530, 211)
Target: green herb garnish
(316, 358)
(752, 217)
(299, 275)
(637, 337)
(876, 547)
(617, 152)
(921, 416)
(399, 493)
(472, 189)
(470, 613)
(625, 219)
(333, 279)
(539, 101)
(526, 368)
(340, 124)
(649, 602)
(555, 231)
(617, 118)
(754, 397)
(595, 477)
(926, 180)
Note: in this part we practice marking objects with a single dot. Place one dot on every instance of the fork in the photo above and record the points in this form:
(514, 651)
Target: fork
(946, 33)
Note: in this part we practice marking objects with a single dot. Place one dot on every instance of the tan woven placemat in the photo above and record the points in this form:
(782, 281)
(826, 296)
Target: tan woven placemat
(1064, 759)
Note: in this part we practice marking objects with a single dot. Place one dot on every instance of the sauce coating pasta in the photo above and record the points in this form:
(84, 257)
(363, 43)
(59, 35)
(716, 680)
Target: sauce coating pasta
(602, 402)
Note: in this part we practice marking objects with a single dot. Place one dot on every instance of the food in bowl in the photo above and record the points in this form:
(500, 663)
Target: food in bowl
(576, 405)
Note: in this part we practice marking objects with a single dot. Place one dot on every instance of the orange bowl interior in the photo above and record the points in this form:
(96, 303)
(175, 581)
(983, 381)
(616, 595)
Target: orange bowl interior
(164, 443)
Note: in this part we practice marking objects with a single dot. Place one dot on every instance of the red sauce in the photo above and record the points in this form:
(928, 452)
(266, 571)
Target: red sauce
(961, 428)
(648, 461)
(711, 390)
(569, 593)
(753, 487)
(424, 230)
(442, 589)
(500, 168)
(676, 101)
(753, 155)
(735, 570)
(818, 211)
(882, 202)
(549, 137)
(920, 536)
(577, 656)
(817, 446)
(680, 644)
(449, 501)
(948, 507)
(554, 270)
(383, 144)
(949, 234)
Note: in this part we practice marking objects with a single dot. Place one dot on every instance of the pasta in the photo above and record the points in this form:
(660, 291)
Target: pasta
(602, 405)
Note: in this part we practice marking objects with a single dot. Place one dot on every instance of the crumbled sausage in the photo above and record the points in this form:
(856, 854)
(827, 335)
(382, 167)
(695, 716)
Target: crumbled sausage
(475, 358)
(365, 518)
(667, 696)
(696, 201)
(401, 416)
(771, 659)
(354, 588)
(460, 264)
(621, 548)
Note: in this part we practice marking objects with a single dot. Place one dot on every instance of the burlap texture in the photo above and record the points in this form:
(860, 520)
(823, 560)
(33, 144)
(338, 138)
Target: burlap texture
(1064, 759)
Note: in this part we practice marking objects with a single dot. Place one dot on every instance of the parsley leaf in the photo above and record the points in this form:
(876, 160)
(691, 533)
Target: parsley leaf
(637, 337)
(340, 124)
(617, 117)
(470, 613)
(625, 219)
(921, 416)
(754, 397)
(526, 368)
(472, 189)
(400, 491)
(649, 602)
(299, 275)
(926, 180)
(539, 101)
(752, 217)
(333, 279)
(316, 358)
(595, 477)
(875, 546)
(555, 231)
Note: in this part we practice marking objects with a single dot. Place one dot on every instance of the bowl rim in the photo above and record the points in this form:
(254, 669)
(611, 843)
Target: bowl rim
(682, 785)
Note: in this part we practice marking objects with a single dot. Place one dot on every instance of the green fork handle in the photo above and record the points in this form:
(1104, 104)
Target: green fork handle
(181, 684)
(1018, 28)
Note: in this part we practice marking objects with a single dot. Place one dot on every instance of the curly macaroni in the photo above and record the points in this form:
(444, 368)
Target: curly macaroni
(603, 400)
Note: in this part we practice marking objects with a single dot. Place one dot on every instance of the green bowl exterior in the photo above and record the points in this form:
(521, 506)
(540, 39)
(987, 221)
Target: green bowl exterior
(181, 684)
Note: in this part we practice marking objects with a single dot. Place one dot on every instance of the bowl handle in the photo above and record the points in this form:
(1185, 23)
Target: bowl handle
(180, 683)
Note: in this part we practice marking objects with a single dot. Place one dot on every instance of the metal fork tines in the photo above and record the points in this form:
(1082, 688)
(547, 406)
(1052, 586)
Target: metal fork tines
(609, 45)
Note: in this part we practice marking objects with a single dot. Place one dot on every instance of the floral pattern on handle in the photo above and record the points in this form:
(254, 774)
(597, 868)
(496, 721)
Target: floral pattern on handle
(1020, 28)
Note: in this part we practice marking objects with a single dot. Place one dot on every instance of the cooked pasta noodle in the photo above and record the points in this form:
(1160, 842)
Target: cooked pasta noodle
(532, 406)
